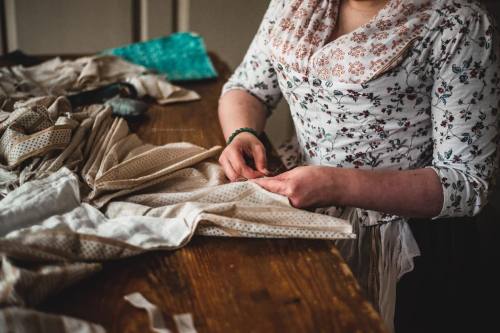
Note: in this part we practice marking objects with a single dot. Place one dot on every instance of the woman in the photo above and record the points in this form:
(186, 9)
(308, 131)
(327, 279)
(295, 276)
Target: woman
(395, 109)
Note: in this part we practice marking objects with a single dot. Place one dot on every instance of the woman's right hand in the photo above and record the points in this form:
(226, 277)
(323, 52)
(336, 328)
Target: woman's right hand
(234, 157)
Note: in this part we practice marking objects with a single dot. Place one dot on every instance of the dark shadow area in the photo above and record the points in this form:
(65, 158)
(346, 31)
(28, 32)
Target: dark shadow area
(455, 284)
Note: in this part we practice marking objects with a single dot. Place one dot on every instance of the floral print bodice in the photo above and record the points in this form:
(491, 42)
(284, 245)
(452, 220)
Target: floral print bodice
(416, 87)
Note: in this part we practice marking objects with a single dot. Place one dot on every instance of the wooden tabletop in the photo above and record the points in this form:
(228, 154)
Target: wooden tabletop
(228, 284)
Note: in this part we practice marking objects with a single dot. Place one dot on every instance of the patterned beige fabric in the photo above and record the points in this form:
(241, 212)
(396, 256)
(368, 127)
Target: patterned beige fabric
(103, 194)
(28, 132)
(20, 131)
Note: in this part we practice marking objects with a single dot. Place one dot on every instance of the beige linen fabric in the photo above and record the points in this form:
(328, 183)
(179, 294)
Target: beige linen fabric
(58, 77)
(170, 181)
(103, 194)
(163, 217)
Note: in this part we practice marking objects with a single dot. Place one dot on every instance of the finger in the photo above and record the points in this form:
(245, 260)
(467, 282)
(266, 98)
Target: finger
(228, 169)
(272, 185)
(259, 157)
(238, 176)
(240, 167)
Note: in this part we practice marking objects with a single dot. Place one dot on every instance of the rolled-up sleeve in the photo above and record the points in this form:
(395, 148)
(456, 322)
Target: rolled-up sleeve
(465, 114)
(256, 74)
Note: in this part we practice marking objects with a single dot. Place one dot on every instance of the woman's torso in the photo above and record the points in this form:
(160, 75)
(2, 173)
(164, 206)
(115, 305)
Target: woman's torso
(365, 99)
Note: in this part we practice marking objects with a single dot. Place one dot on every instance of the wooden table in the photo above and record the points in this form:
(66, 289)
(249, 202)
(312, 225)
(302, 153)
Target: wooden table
(228, 284)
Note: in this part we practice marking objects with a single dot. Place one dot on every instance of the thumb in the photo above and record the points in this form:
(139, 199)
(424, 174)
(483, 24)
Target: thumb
(259, 157)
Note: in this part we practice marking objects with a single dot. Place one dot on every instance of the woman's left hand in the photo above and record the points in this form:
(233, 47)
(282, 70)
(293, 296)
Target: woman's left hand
(389, 191)
(305, 187)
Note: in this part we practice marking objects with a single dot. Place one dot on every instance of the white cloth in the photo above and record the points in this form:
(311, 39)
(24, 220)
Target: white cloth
(100, 193)
(165, 218)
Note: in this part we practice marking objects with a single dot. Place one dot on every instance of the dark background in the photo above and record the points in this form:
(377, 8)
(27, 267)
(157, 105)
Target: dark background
(455, 284)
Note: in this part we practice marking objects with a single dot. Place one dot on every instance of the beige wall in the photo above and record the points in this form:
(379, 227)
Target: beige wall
(81, 26)
(61, 26)
(227, 26)
(159, 17)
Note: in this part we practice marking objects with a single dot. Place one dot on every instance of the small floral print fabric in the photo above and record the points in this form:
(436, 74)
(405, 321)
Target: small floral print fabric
(417, 86)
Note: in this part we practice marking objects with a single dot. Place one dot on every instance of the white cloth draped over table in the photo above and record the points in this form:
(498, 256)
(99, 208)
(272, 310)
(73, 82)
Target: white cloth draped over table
(415, 87)
(78, 188)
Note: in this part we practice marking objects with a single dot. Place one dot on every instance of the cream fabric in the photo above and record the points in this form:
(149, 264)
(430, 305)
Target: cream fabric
(104, 194)
(183, 322)
(58, 77)
(163, 217)
(128, 179)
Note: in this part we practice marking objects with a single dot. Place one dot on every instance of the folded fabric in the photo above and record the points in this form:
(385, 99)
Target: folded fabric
(165, 215)
(181, 56)
(128, 179)
(43, 221)
(104, 195)
(77, 188)
(69, 241)
(58, 77)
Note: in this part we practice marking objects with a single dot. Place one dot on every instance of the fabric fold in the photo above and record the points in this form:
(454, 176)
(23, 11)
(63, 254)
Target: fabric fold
(57, 77)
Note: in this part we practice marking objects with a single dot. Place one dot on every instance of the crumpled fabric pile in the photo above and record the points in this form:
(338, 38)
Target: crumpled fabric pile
(57, 77)
(77, 189)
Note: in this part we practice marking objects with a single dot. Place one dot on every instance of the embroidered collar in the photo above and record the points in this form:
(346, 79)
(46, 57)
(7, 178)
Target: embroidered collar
(298, 39)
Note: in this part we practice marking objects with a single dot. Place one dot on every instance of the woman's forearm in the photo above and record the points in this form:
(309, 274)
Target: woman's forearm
(237, 109)
(410, 193)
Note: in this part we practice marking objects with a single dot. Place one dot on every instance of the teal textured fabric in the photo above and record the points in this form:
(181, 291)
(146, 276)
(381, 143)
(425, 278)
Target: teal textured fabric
(181, 56)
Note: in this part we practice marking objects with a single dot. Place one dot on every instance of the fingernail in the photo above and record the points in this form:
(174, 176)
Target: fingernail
(241, 179)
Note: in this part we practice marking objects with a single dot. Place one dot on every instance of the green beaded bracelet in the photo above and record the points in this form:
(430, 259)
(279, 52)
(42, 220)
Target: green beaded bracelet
(241, 130)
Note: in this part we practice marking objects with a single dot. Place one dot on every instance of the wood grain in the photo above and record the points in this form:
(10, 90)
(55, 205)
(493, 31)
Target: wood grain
(229, 285)
(196, 122)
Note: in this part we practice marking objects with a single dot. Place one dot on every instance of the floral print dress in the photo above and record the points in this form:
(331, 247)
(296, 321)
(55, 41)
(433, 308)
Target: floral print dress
(415, 87)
